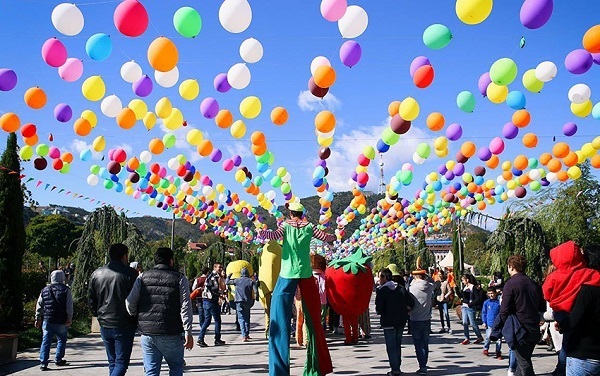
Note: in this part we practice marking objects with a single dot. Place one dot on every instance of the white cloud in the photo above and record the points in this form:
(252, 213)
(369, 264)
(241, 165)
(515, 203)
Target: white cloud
(308, 102)
(128, 149)
(180, 134)
(77, 146)
(239, 148)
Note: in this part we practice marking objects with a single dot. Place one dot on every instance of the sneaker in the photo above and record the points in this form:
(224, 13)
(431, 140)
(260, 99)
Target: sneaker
(499, 356)
(486, 352)
(422, 371)
(441, 331)
(201, 343)
(61, 363)
(478, 341)
(246, 339)
(465, 342)
(219, 342)
(44, 367)
(510, 373)
(449, 331)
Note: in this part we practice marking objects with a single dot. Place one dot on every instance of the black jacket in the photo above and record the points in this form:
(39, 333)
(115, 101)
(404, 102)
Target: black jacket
(583, 326)
(159, 310)
(523, 298)
(392, 305)
(108, 289)
(54, 299)
(478, 297)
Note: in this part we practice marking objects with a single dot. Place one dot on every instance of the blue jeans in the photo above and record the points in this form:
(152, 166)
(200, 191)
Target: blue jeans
(50, 330)
(118, 343)
(582, 367)
(443, 308)
(279, 326)
(200, 313)
(155, 348)
(468, 317)
(243, 314)
(393, 346)
(512, 360)
(486, 344)
(211, 309)
(420, 334)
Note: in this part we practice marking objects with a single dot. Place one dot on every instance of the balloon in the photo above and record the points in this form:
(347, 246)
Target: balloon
(139, 108)
(516, 100)
(209, 107)
(454, 132)
(535, 13)
(169, 140)
(98, 47)
(54, 52)
(497, 93)
(238, 76)
(175, 120)
(545, 71)
(221, 84)
(99, 144)
(325, 121)
(354, 22)
(473, 12)
(28, 130)
(579, 93)
(155, 146)
(496, 145)
(423, 76)
(510, 131)
(530, 140)
(569, 129)
(67, 19)
(423, 150)
(40, 163)
(531, 82)
(131, 18)
(350, 53)
(596, 111)
(205, 148)
(437, 36)
(578, 61)
(417, 63)
(435, 121)
(111, 106)
(167, 79)
(187, 22)
(483, 83)
(35, 98)
(131, 72)
(142, 87)
(63, 112)
(409, 109)
(235, 15)
(324, 76)
(85, 155)
(250, 107)
(224, 119)
(8, 79)
(582, 109)
(71, 70)
(503, 71)
(82, 127)
(162, 54)
(333, 10)
(10, 122)
(484, 153)
(251, 50)
(316, 90)
(521, 118)
(149, 120)
(93, 88)
(591, 39)
(279, 116)
(317, 62)
(466, 101)
(189, 89)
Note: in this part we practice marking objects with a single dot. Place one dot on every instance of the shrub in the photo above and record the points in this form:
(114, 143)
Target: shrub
(33, 281)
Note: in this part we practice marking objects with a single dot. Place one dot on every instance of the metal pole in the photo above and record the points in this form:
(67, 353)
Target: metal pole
(461, 261)
(404, 246)
(173, 232)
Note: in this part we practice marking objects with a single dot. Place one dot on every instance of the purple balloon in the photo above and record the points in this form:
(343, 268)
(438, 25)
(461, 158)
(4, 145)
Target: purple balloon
(579, 61)
(484, 153)
(63, 112)
(350, 53)
(569, 129)
(596, 58)
(484, 81)
(221, 84)
(237, 160)
(209, 108)
(535, 13)
(321, 162)
(417, 63)
(458, 169)
(354, 175)
(8, 79)
(454, 132)
(449, 175)
(216, 155)
(510, 131)
(288, 196)
(544, 182)
(442, 169)
(142, 87)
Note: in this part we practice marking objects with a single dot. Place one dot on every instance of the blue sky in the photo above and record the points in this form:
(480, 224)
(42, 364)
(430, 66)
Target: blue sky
(292, 34)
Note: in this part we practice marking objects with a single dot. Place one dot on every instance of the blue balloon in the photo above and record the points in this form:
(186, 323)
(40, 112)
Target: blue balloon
(98, 47)
(516, 100)
(596, 111)
(382, 147)
(85, 155)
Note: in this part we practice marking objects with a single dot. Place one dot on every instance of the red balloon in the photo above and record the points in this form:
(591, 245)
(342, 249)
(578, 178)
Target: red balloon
(57, 164)
(131, 18)
(28, 130)
(424, 76)
(317, 91)
(399, 125)
(363, 161)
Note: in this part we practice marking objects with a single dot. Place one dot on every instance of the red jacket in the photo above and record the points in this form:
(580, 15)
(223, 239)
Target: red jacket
(562, 285)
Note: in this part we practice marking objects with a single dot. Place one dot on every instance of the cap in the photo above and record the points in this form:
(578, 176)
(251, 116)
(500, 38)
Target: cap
(296, 206)
(394, 269)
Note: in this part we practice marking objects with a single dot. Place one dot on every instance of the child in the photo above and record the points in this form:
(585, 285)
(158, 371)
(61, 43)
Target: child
(491, 309)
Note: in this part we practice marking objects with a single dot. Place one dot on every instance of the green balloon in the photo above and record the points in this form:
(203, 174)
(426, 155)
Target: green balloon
(169, 140)
(389, 137)
(531, 82)
(108, 184)
(465, 100)
(65, 168)
(503, 71)
(437, 36)
(406, 177)
(26, 152)
(535, 185)
(271, 158)
(142, 170)
(263, 158)
(42, 150)
(285, 188)
(533, 163)
(423, 150)
(258, 180)
(276, 182)
(95, 169)
(187, 22)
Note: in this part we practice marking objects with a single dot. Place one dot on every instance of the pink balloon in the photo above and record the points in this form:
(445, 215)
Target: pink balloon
(71, 70)
(227, 165)
(333, 10)
(417, 63)
(54, 52)
(54, 152)
(497, 145)
(131, 18)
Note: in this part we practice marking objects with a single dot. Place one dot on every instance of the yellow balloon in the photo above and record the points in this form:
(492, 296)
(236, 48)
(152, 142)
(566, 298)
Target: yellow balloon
(129, 190)
(189, 89)
(473, 12)
(441, 153)
(324, 142)
(90, 116)
(580, 157)
(194, 137)
(175, 120)
(149, 120)
(587, 150)
(582, 109)
(531, 82)
(250, 107)
(497, 93)
(99, 144)
(238, 129)
(596, 143)
(409, 109)
(511, 184)
(506, 166)
(440, 143)
(163, 108)
(139, 108)
(240, 176)
(93, 88)
(574, 172)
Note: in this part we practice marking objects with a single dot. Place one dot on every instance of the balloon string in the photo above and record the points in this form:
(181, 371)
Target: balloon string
(99, 2)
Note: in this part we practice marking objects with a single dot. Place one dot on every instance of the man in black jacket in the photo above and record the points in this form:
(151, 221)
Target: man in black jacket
(108, 289)
(392, 303)
(213, 287)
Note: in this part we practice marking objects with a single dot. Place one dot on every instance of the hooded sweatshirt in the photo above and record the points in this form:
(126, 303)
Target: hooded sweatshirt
(422, 291)
(392, 302)
(561, 286)
(244, 286)
(55, 303)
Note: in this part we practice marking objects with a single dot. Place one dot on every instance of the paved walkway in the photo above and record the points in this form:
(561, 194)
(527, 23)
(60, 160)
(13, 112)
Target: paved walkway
(86, 355)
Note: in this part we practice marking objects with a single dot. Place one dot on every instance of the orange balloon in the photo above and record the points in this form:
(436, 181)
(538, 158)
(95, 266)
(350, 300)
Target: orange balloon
(562, 175)
(481, 205)
(31, 140)
(554, 165)
(394, 108)
(507, 175)
(472, 187)
(524, 179)
(259, 149)
(591, 39)
(521, 162)
(126, 118)
(205, 148)
(468, 149)
(82, 127)
(435, 121)
(530, 140)
(162, 54)
(154, 178)
(545, 158)
(67, 157)
(493, 162)
(224, 119)
(595, 161)
(10, 122)
(561, 149)
(279, 116)
(257, 138)
(133, 163)
(325, 121)
(35, 98)
(324, 76)
(521, 118)
(571, 159)
(156, 146)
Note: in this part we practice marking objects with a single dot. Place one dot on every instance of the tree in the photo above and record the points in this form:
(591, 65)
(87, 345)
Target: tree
(475, 251)
(52, 236)
(12, 237)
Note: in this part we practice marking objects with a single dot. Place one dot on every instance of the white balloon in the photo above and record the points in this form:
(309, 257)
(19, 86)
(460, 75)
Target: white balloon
(551, 177)
(407, 166)
(92, 180)
(418, 160)
(173, 164)
(271, 195)
(207, 190)
(251, 50)
(67, 19)
(325, 134)
(317, 62)
(145, 156)
(511, 193)
(500, 180)
(545, 71)
(167, 79)
(535, 174)
(239, 76)
(235, 15)
(579, 93)
(131, 72)
(287, 178)
(111, 106)
(354, 22)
